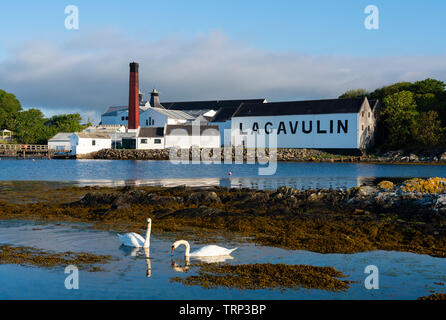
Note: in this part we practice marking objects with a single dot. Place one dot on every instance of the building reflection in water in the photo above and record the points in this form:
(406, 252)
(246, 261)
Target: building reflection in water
(261, 183)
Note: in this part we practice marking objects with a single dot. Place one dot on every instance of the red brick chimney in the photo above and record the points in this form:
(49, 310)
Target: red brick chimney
(134, 97)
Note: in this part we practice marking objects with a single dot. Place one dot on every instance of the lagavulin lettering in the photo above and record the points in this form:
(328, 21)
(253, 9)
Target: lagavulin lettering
(305, 127)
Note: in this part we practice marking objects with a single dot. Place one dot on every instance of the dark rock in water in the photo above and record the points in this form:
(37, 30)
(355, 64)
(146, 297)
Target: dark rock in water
(203, 197)
(366, 191)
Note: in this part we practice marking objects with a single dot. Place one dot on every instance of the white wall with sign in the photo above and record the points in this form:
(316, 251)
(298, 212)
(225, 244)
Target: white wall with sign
(324, 131)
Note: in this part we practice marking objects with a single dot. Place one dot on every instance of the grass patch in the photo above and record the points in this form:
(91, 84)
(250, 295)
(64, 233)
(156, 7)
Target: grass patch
(28, 256)
(266, 276)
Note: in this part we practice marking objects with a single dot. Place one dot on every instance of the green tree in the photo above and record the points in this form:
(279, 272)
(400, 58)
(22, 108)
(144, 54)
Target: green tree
(9, 105)
(391, 89)
(399, 115)
(355, 93)
(426, 101)
(427, 131)
(428, 86)
(9, 102)
(28, 126)
(66, 123)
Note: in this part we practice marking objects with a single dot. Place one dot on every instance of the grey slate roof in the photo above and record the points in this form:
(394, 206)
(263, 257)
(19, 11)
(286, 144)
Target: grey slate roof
(113, 111)
(145, 132)
(174, 114)
(61, 136)
(208, 105)
(92, 135)
(225, 114)
(327, 106)
(210, 129)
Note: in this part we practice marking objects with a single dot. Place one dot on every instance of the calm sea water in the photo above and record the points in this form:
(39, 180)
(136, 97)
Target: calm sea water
(401, 275)
(164, 173)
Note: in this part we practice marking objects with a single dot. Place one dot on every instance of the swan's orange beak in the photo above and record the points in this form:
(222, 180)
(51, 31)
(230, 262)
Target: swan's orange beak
(173, 249)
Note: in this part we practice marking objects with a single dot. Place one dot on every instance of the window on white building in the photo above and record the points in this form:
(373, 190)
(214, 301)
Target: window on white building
(93, 142)
(143, 141)
(157, 141)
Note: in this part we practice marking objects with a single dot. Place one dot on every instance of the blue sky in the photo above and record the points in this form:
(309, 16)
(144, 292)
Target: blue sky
(185, 43)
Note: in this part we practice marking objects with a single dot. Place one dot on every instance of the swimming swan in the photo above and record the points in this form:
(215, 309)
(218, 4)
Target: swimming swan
(207, 251)
(135, 240)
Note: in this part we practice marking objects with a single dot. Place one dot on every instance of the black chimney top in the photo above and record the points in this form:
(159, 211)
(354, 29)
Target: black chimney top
(134, 67)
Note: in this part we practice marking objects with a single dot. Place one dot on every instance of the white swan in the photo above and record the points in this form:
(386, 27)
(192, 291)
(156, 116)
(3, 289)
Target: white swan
(207, 251)
(135, 240)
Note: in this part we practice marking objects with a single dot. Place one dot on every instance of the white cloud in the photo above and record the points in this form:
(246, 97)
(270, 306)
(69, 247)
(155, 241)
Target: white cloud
(87, 73)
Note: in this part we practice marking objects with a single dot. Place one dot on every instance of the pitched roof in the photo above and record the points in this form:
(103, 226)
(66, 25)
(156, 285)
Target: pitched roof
(92, 135)
(226, 113)
(61, 136)
(327, 106)
(113, 111)
(174, 114)
(211, 130)
(207, 105)
(373, 104)
(145, 132)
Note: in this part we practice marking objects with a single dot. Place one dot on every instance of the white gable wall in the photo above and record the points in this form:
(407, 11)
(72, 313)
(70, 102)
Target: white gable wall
(158, 119)
(59, 145)
(116, 120)
(366, 126)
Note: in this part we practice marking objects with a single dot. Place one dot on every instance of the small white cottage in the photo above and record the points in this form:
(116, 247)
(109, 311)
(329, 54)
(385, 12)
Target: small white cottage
(84, 142)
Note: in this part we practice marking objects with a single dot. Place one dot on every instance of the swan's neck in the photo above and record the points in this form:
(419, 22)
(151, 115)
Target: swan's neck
(187, 245)
(147, 242)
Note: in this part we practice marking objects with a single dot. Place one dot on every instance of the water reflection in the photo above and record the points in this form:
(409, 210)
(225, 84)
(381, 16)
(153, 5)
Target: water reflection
(402, 275)
(163, 173)
(148, 262)
(260, 183)
(186, 266)
(139, 253)
(177, 267)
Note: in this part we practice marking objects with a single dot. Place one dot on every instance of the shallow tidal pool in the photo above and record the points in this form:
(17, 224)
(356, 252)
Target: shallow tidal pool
(401, 275)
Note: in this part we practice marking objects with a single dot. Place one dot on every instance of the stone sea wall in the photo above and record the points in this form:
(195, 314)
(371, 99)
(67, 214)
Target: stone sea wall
(285, 154)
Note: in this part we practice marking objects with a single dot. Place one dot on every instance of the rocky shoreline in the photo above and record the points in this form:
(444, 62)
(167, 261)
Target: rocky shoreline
(410, 216)
(297, 155)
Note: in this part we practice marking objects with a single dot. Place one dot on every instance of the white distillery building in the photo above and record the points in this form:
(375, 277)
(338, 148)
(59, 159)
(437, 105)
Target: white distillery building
(84, 142)
(174, 136)
(155, 114)
(315, 124)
